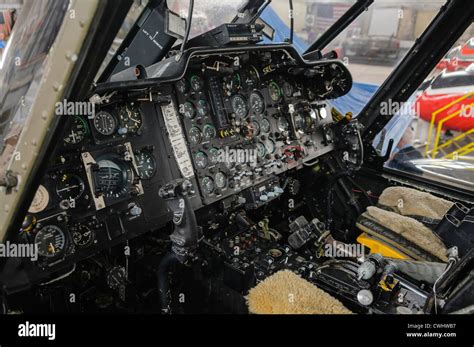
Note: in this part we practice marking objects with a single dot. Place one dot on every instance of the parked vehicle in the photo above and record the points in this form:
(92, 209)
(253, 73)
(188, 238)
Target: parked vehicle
(372, 47)
(459, 58)
(448, 89)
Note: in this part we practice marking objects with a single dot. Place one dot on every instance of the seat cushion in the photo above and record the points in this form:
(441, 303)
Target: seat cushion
(414, 203)
(404, 233)
(285, 292)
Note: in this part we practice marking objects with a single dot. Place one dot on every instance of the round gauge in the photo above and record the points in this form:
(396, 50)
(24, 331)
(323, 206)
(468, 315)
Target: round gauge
(207, 185)
(299, 124)
(283, 124)
(130, 118)
(40, 200)
(82, 235)
(114, 176)
(270, 146)
(183, 86)
(274, 91)
(69, 187)
(251, 77)
(261, 150)
(221, 180)
(197, 83)
(257, 103)
(209, 131)
(214, 155)
(77, 132)
(50, 241)
(202, 107)
(194, 135)
(256, 128)
(146, 165)
(236, 82)
(187, 109)
(239, 106)
(247, 130)
(105, 123)
(265, 125)
(201, 160)
(287, 89)
(233, 82)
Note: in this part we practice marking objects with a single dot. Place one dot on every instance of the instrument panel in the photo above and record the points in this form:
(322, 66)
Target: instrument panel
(232, 124)
(245, 124)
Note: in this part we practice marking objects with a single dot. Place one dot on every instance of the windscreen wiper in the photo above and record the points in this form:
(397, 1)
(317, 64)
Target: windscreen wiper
(342, 23)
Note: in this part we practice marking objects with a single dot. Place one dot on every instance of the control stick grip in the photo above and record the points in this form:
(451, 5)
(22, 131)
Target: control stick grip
(185, 237)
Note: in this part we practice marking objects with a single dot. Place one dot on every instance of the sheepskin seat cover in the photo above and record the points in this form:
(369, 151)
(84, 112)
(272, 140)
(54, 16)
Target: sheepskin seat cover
(408, 228)
(412, 202)
(285, 292)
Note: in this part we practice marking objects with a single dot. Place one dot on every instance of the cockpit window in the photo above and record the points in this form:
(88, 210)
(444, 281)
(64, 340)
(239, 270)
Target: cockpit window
(21, 67)
(433, 132)
(207, 14)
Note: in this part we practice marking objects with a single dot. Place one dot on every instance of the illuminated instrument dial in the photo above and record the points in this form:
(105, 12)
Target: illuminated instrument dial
(209, 131)
(274, 91)
(77, 132)
(207, 185)
(146, 165)
(265, 125)
(201, 160)
(239, 106)
(221, 180)
(40, 201)
(114, 176)
(194, 135)
(82, 235)
(257, 103)
(197, 83)
(130, 118)
(51, 241)
(105, 123)
(69, 187)
(202, 107)
(187, 109)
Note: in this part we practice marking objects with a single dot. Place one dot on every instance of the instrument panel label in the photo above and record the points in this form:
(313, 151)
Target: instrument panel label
(178, 142)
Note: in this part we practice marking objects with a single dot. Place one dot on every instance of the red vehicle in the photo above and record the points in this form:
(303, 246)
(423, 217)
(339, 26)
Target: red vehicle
(443, 90)
(459, 58)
